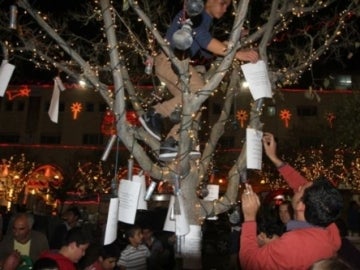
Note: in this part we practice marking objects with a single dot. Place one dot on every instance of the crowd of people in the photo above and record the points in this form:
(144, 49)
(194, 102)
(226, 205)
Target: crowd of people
(73, 247)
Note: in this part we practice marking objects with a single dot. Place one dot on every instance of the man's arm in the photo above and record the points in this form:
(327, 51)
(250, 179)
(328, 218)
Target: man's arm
(291, 176)
(219, 48)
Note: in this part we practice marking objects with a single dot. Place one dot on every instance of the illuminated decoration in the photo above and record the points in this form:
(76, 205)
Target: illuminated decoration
(330, 117)
(285, 115)
(92, 178)
(108, 124)
(76, 108)
(23, 91)
(42, 182)
(45, 176)
(13, 175)
(340, 166)
(132, 118)
(242, 116)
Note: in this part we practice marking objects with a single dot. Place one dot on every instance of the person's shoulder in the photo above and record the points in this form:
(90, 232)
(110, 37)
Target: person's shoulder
(58, 257)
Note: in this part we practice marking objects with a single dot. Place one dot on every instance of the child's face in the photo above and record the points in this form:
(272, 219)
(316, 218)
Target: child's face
(108, 263)
(136, 239)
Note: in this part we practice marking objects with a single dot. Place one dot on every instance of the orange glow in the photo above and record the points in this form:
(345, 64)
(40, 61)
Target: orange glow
(242, 116)
(24, 91)
(285, 115)
(76, 107)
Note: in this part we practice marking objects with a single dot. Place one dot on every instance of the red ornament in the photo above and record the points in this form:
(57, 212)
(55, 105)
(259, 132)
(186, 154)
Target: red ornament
(108, 125)
(132, 118)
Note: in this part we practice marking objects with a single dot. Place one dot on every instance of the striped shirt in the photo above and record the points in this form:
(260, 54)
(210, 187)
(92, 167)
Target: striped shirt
(134, 258)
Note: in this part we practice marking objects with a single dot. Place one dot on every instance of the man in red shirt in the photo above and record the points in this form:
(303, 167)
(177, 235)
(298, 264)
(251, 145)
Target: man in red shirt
(74, 247)
(317, 205)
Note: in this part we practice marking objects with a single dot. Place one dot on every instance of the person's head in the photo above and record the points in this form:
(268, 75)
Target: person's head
(322, 203)
(45, 264)
(217, 8)
(72, 216)
(22, 226)
(286, 212)
(268, 230)
(134, 235)
(147, 233)
(75, 244)
(330, 264)
(108, 256)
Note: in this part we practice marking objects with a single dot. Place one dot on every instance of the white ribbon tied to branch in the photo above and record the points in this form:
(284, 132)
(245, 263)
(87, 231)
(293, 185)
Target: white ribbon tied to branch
(54, 104)
(6, 71)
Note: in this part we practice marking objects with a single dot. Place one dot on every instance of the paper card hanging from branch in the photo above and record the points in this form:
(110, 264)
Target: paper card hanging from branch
(253, 148)
(213, 195)
(169, 224)
(129, 192)
(54, 104)
(191, 250)
(6, 71)
(112, 221)
(142, 204)
(182, 226)
(257, 77)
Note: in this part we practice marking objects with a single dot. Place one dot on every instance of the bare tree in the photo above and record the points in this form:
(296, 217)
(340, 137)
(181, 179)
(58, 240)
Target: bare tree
(104, 43)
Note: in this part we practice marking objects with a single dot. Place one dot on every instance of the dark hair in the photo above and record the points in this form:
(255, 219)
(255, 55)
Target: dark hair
(110, 251)
(268, 222)
(45, 264)
(289, 208)
(76, 235)
(130, 232)
(270, 227)
(76, 212)
(323, 203)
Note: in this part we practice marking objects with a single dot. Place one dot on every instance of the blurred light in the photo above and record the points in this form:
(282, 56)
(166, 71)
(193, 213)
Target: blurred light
(82, 83)
(245, 84)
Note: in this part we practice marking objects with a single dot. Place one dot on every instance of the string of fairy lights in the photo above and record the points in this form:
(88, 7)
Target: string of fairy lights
(341, 166)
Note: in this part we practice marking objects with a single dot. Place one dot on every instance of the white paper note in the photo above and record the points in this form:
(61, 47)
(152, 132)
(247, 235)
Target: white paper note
(53, 111)
(181, 219)
(142, 204)
(253, 148)
(129, 192)
(112, 222)
(6, 71)
(169, 224)
(257, 77)
(191, 249)
(213, 195)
